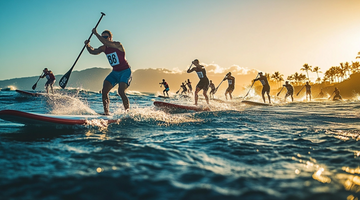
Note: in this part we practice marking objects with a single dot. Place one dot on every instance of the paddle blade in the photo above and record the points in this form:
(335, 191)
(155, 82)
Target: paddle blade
(34, 86)
(64, 80)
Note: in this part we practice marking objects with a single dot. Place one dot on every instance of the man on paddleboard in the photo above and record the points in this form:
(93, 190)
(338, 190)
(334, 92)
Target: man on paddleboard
(121, 73)
(188, 83)
(290, 90)
(166, 85)
(337, 94)
(231, 87)
(184, 91)
(204, 81)
(266, 87)
(50, 80)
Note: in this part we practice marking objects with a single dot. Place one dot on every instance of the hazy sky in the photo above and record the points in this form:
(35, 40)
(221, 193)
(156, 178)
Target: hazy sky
(267, 35)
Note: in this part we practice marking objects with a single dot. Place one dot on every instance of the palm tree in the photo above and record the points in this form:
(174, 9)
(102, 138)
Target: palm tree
(277, 77)
(317, 71)
(306, 68)
(358, 55)
(355, 67)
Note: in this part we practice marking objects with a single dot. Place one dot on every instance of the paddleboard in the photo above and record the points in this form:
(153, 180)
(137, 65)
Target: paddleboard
(255, 103)
(28, 93)
(35, 119)
(161, 104)
(161, 96)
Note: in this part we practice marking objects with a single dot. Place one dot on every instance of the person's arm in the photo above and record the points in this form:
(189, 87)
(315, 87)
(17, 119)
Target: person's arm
(93, 51)
(191, 70)
(108, 43)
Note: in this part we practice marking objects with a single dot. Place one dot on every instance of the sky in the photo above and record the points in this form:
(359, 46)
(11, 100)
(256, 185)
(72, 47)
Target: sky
(266, 35)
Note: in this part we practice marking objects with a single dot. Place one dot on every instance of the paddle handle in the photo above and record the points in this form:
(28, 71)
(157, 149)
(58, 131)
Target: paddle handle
(63, 81)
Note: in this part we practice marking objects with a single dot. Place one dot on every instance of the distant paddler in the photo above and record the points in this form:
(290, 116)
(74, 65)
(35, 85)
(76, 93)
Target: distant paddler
(166, 86)
(121, 73)
(204, 81)
(188, 83)
(266, 87)
(337, 95)
(308, 90)
(50, 80)
(184, 89)
(290, 90)
(231, 87)
(212, 87)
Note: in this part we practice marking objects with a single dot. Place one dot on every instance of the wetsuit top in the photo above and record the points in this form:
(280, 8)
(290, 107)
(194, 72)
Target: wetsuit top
(263, 80)
(201, 73)
(165, 84)
(49, 75)
(231, 81)
(308, 88)
(116, 58)
(289, 88)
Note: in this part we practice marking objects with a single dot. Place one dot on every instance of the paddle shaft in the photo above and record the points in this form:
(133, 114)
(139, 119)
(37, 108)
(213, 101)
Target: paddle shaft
(280, 91)
(63, 81)
(331, 95)
(219, 84)
(300, 90)
(251, 87)
(34, 86)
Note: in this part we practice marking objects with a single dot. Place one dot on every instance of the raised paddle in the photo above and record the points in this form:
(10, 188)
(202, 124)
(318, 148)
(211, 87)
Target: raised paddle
(300, 91)
(34, 86)
(280, 91)
(251, 87)
(63, 81)
(220, 83)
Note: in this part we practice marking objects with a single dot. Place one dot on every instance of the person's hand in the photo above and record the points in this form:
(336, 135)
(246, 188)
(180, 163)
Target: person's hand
(87, 42)
(94, 31)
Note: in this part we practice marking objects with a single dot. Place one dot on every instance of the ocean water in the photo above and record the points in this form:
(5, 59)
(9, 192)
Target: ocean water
(299, 150)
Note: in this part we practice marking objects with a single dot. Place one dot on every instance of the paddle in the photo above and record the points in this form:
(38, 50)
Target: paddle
(331, 95)
(220, 83)
(63, 81)
(251, 87)
(280, 91)
(34, 86)
(300, 91)
(178, 90)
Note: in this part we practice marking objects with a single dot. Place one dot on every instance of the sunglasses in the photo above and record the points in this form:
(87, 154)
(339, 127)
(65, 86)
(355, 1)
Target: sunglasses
(105, 36)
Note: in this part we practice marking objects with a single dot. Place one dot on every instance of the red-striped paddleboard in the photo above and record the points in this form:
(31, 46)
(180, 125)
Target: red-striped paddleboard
(29, 118)
(172, 106)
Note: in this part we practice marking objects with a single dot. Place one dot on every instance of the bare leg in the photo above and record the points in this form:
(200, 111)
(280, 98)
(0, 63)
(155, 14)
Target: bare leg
(206, 96)
(121, 90)
(105, 96)
(230, 95)
(268, 97)
(196, 95)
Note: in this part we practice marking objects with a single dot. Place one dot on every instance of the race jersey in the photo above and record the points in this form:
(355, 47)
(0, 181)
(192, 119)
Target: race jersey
(231, 80)
(49, 75)
(116, 59)
(201, 73)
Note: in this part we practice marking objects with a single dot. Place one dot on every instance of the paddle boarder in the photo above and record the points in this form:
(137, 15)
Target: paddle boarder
(337, 95)
(121, 73)
(50, 80)
(321, 94)
(290, 90)
(212, 87)
(184, 91)
(204, 81)
(266, 87)
(166, 85)
(231, 87)
(188, 83)
(308, 90)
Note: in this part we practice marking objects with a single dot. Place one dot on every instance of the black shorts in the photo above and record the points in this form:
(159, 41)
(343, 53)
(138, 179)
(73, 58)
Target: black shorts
(266, 89)
(230, 89)
(203, 84)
